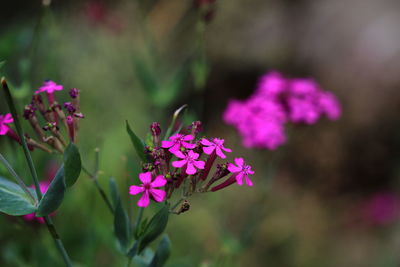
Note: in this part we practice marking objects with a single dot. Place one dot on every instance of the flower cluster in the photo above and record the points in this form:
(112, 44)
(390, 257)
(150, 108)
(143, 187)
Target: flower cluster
(277, 100)
(47, 128)
(185, 161)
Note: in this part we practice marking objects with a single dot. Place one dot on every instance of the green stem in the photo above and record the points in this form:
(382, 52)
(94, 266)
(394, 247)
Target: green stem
(17, 178)
(49, 223)
(99, 189)
(139, 218)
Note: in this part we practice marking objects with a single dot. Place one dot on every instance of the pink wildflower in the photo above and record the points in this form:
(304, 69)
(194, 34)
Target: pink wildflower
(190, 161)
(4, 120)
(178, 141)
(241, 170)
(329, 105)
(148, 189)
(49, 87)
(271, 84)
(216, 145)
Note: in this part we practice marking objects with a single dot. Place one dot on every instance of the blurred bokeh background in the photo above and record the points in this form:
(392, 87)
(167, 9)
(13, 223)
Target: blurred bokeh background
(328, 197)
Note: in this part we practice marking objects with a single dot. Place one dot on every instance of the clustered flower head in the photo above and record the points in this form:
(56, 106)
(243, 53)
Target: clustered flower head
(185, 161)
(277, 100)
(49, 126)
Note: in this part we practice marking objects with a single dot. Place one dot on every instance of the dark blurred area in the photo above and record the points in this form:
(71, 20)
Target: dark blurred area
(329, 197)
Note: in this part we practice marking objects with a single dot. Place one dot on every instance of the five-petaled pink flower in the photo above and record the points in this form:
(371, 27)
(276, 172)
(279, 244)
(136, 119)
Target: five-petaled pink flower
(216, 145)
(49, 87)
(189, 160)
(148, 189)
(178, 141)
(241, 170)
(4, 120)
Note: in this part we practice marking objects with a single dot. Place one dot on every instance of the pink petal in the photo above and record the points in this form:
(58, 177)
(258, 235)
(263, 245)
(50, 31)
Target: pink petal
(3, 129)
(187, 145)
(206, 142)
(219, 153)
(145, 177)
(239, 178)
(158, 195)
(239, 162)
(208, 149)
(193, 155)
(226, 149)
(199, 164)
(159, 181)
(167, 144)
(8, 118)
(179, 154)
(250, 171)
(188, 137)
(144, 201)
(175, 136)
(248, 181)
(179, 163)
(233, 168)
(134, 189)
(190, 169)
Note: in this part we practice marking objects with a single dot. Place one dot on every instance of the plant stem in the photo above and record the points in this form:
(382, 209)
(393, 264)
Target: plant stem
(49, 223)
(99, 189)
(17, 178)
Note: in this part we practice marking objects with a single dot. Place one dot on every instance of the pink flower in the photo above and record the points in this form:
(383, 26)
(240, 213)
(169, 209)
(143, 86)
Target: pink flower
(271, 84)
(178, 141)
(4, 120)
(189, 160)
(216, 145)
(240, 171)
(32, 217)
(329, 105)
(49, 87)
(148, 189)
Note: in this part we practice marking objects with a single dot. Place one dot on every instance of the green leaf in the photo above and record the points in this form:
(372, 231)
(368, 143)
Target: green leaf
(155, 227)
(162, 253)
(54, 195)
(138, 143)
(121, 220)
(72, 164)
(13, 200)
(174, 118)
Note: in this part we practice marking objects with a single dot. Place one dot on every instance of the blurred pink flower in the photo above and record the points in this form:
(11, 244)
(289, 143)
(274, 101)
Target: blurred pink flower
(148, 189)
(49, 87)
(32, 217)
(4, 120)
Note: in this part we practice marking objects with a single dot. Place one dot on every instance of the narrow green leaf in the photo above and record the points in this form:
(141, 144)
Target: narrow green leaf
(113, 191)
(155, 227)
(162, 253)
(138, 143)
(72, 164)
(121, 220)
(13, 200)
(174, 118)
(54, 195)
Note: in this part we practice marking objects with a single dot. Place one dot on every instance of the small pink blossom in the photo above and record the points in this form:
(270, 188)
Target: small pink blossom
(148, 189)
(216, 145)
(329, 105)
(4, 120)
(178, 141)
(241, 170)
(271, 84)
(49, 87)
(189, 160)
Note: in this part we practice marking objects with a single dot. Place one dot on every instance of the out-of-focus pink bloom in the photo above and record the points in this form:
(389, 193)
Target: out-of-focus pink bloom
(148, 189)
(216, 145)
(382, 208)
(32, 217)
(4, 120)
(189, 160)
(271, 84)
(329, 105)
(178, 141)
(241, 170)
(261, 118)
(49, 87)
